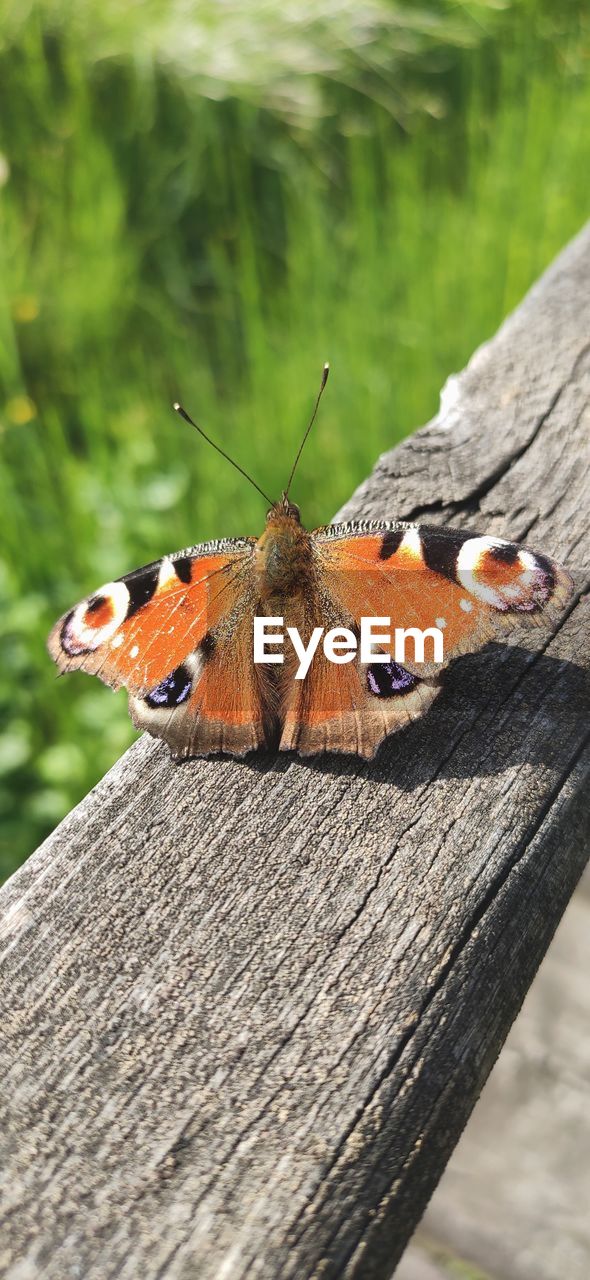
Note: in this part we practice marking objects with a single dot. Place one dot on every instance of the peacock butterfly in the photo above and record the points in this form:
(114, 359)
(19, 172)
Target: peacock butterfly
(178, 634)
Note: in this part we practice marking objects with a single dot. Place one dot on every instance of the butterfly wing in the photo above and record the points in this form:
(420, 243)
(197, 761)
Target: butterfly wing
(177, 635)
(470, 588)
(335, 707)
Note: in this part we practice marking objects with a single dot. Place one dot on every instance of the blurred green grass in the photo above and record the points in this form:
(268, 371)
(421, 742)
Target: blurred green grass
(206, 210)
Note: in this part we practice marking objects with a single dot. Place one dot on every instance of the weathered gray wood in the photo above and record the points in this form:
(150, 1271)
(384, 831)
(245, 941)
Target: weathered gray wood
(247, 1007)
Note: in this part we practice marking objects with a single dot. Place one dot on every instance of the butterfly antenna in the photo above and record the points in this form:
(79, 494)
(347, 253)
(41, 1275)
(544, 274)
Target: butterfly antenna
(183, 413)
(325, 373)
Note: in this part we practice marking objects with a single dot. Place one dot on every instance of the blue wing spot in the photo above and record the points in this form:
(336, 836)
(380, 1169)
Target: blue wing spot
(388, 679)
(172, 691)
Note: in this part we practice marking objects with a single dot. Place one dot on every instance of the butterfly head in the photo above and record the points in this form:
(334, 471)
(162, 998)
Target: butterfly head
(284, 509)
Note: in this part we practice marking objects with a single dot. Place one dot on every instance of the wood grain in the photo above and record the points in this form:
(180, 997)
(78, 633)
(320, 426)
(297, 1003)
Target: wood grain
(248, 1007)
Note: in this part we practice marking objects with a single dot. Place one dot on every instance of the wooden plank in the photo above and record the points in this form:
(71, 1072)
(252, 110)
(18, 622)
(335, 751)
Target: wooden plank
(248, 1007)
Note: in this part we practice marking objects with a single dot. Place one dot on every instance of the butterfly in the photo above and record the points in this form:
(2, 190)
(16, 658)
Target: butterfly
(178, 634)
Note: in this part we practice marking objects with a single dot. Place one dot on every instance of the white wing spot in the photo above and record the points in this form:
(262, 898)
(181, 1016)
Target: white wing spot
(134, 651)
(117, 642)
(440, 623)
(466, 605)
(79, 636)
(472, 551)
(411, 543)
(167, 573)
(469, 562)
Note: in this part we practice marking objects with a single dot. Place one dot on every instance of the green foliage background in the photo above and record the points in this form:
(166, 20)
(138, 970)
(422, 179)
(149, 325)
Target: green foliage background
(206, 201)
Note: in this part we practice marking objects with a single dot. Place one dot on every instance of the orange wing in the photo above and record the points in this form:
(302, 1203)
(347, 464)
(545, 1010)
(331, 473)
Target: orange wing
(339, 706)
(177, 635)
(424, 576)
(467, 587)
(336, 708)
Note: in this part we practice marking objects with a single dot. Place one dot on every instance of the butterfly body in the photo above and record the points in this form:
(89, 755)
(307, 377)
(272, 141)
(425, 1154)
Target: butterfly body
(284, 554)
(179, 634)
